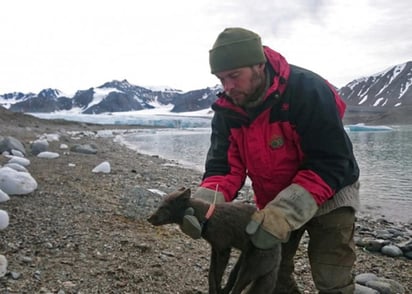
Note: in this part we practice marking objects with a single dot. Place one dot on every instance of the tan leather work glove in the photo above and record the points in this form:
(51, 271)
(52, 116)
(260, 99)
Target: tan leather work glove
(191, 225)
(290, 210)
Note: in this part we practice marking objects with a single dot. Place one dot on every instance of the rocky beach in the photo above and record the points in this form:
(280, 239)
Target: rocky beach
(81, 231)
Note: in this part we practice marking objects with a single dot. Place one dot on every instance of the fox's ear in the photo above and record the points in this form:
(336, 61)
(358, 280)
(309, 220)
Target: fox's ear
(186, 193)
(183, 192)
(181, 189)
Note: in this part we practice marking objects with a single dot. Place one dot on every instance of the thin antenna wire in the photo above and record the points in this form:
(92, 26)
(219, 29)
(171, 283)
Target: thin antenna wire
(215, 197)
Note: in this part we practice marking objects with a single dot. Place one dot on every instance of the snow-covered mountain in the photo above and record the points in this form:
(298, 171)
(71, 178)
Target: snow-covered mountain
(114, 96)
(385, 97)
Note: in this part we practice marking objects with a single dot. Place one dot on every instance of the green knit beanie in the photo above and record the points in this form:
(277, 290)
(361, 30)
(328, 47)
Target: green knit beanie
(235, 48)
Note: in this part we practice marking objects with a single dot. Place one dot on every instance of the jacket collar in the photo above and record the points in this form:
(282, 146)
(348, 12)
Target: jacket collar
(279, 70)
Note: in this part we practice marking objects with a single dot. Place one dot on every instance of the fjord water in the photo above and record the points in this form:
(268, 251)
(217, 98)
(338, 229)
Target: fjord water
(385, 160)
(384, 157)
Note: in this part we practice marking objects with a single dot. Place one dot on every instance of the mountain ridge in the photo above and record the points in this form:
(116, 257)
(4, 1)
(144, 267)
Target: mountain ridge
(385, 97)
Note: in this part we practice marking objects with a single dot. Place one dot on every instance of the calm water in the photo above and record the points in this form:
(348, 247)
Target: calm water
(385, 160)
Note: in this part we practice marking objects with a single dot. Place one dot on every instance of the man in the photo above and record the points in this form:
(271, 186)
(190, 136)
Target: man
(281, 125)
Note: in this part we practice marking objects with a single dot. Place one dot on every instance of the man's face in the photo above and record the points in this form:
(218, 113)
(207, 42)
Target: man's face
(241, 84)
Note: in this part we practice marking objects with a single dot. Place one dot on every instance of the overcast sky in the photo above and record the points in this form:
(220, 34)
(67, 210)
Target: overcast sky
(78, 44)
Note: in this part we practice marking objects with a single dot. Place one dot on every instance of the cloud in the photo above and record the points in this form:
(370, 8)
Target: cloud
(266, 17)
(78, 44)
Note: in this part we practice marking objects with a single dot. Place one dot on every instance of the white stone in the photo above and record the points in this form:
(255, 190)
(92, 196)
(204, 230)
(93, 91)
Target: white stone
(64, 146)
(103, 167)
(105, 133)
(3, 196)
(3, 265)
(157, 191)
(50, 137)
(16, 167)
(16, 152)
(4, 219)
(16, 183)
(360, 289)
(48, 155)
(19, 160)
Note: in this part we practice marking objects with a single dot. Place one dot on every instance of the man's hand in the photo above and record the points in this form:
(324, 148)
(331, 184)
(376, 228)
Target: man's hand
(290, 210)
(208, 195)
(191, 225)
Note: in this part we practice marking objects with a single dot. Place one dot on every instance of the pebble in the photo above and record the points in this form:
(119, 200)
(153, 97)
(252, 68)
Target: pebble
(385, 286)
(360, 289)
(391, 250)
(38, 146)
(4, 219)
(68, 284)
(16, 167)
(3, 265)
(3, 196)
(48, 155)
(394, 241)
(85, 149)
(15, 275)
(370, 283)
(103, 167)
(11, 143)
(376, 245)
(26, 259)
(17, 153)
(19, 160)
(365, 277)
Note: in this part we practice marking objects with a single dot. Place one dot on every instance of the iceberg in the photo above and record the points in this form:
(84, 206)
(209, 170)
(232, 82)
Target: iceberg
(361, 127)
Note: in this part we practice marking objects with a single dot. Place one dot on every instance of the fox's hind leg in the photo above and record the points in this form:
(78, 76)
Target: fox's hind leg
(233, 275)
(259, 267)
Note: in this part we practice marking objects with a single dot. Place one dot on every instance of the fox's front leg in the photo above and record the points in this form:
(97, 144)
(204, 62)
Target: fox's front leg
(213, 287)
(218, 263)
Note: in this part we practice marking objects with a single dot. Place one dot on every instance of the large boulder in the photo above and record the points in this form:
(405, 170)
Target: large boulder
(10, 143)
(13, 182)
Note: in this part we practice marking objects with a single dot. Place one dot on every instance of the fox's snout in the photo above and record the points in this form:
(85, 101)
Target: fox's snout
(171, 208)
(154, 220)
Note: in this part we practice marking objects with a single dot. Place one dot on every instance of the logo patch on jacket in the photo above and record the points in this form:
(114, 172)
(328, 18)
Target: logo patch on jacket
(276, 142)
(285, 107)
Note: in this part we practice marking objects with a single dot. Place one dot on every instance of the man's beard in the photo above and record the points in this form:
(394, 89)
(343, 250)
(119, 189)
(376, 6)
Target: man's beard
(254, 95)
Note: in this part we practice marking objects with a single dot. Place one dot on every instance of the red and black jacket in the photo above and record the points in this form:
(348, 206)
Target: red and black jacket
(295, 136)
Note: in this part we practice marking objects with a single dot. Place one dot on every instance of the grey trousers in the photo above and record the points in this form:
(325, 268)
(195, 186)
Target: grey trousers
(331, 253)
